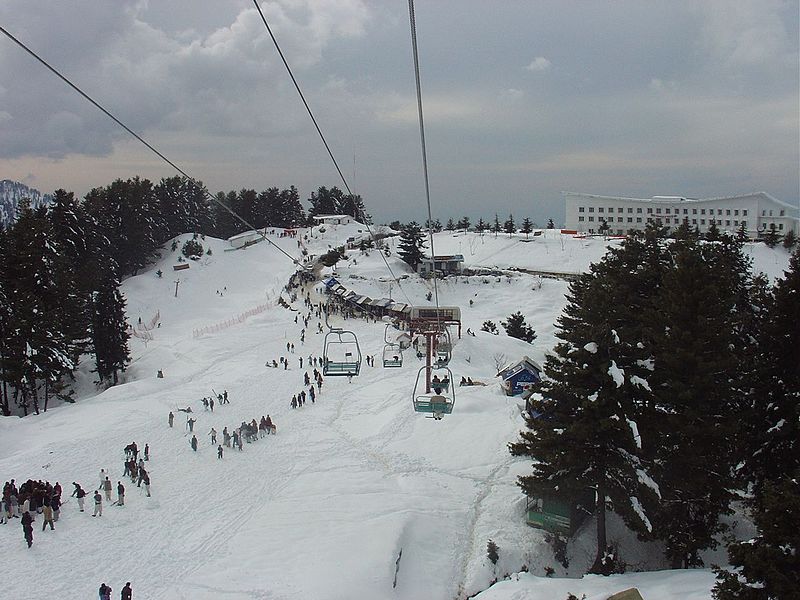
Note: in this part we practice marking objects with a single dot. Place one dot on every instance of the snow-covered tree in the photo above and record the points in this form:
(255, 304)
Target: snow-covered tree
(412, 244)
(516, 327)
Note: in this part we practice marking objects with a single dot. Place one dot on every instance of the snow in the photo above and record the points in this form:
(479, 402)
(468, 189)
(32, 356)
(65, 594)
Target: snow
(637, 508)
(635, 433)
(777, 426)
(322, 509)
(591, 347)
(617, 374)
(636, 380)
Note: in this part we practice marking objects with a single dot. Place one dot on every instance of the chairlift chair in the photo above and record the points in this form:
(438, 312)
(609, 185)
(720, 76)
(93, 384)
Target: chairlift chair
(440, 399)
(392, 351)
(341, 355)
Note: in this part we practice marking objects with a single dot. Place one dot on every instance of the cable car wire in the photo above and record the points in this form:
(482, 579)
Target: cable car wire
(322, 137)
(143, 141)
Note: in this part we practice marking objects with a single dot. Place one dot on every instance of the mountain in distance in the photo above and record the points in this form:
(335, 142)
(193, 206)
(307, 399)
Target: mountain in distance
(11, 193)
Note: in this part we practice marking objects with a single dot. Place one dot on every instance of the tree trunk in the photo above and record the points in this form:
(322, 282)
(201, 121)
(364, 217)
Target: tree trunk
(602, 543)
(46, 393)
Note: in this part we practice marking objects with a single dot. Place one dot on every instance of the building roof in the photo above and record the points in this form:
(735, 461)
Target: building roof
(323, 217)
(244, 235)
(524, 364)
(446, 258)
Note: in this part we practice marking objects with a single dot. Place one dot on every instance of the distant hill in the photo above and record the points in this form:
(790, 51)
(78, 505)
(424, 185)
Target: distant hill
(11, 192)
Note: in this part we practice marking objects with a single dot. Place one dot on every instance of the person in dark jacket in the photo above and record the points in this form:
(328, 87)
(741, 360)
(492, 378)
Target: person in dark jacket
(104, 593)
(79, 494)
(27, 527)
(194, 443)
(120, 494)
(127, 592)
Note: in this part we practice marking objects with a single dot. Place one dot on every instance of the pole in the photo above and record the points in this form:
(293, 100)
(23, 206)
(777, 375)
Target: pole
(428, 360)
(176, 287)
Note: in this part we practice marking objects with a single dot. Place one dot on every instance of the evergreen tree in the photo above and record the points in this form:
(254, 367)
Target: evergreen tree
(527, 227)
(771, 236)
(496, 227)
(789, 240)
(767, 567)
(550, 224)
(411, 245)
(326, 202)
(225, 224)
(109, 330)
(509, 226)
(480, 226)
(463, 223)
(354, 206)
(713, 234)
(696, 398)
(450, 225)
(292, 213)
(435, 225)
(741, 233)
(603, 229)
(516, 327)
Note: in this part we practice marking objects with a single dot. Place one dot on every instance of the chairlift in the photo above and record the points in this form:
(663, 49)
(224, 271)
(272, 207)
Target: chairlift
(444, 348)
(341, 355)
(440, 398)
(392, 351)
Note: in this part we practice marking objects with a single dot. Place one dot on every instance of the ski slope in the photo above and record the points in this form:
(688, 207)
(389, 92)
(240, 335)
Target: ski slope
(323, 509)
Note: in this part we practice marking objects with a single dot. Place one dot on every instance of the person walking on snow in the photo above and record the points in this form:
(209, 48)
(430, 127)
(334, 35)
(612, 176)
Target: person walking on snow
(104, 593)
(103, 475)
(194, 443)
(219, 452)
(146, 481)
(127, 592)
(147, 451)
(79, 494)
(190, 424)
(107, 488)
(171, 418)
(213, 434)
(98, 504)
(120, 494)
(27, 527)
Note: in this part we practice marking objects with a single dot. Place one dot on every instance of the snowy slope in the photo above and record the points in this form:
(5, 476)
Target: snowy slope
(323, 509)
(11, 192)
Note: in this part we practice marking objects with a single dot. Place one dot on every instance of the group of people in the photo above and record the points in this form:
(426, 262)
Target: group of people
(29, 499)
(104, 593)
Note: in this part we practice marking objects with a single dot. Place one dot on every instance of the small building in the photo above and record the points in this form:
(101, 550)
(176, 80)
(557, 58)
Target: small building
(247, 238)
(559, 513)
(519, 376)
(444, 265)
(333, 219)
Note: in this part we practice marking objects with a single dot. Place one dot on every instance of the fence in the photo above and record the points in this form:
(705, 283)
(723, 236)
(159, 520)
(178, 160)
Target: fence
(142, 331)
(240, 318)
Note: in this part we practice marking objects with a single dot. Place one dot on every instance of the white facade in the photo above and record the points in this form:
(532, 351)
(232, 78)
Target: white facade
(333, 219)
(245, 239)
(756, 212)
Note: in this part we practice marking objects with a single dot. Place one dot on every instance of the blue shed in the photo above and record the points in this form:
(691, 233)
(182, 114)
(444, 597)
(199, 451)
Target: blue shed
(520, 375)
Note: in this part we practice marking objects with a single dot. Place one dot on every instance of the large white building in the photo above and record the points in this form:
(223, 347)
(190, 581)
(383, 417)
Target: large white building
(755, 212)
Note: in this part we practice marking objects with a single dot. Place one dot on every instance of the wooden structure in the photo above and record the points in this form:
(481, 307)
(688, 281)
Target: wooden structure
(519, 376)
(558, 513)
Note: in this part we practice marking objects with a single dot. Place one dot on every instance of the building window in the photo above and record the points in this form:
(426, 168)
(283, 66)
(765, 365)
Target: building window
(630, 211)
(580, 209)
(619, 210)
(727, 223)
(719, 211)
(736, 212)
(763, 213)
(611, 209)
(658, 211)
(638, 211)
(703, 211)
(591, 219)
(694, 211)
(649, 219)
(702, 221)
(600, 209)
(728, 212)
(783, 213)
(580, 218)
(630, 219)
(780, 226)
(591, 209)
(744, 223)
(744, 212)
(649, 211)
(686, 211)
(668, 211)
(676, 220)
(736, 223)
(638, 219)
(694, 221)
(619, 231)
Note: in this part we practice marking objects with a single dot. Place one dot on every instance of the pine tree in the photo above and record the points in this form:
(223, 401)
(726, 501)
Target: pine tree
(509, 226)
(516, 327)
(741, 233)
(496, 227)
(527, 227)
(591, 397)
(696, 398)
(412, 244)
(713, 234)
(109, 330)
(480, 226)
(354, 206)
(550, 224)
(225, 224)
(771, 236)
(604, 228)
(789, 240)
(767, 567)
(450, 225)
(326, 202)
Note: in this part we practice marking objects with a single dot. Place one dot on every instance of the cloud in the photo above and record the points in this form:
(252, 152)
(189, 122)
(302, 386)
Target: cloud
(538, 64)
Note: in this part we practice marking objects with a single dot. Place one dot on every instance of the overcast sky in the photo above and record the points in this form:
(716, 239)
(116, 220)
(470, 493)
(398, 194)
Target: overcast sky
(523, 99)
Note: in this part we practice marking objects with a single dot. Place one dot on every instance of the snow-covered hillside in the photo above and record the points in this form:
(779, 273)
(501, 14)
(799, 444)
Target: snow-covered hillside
(323, 509)
(11, 192)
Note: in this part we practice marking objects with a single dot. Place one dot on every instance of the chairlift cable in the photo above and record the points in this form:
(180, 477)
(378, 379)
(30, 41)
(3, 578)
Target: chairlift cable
(322, 137)
(415, 53)
(142, 140)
